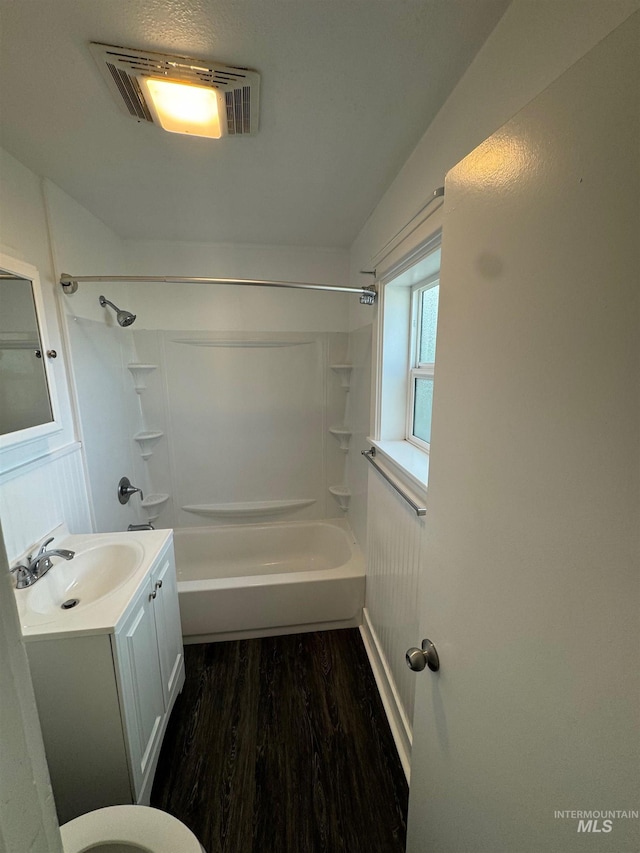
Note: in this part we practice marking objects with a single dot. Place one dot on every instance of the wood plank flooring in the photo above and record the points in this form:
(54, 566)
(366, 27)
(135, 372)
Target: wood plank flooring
(281, 745)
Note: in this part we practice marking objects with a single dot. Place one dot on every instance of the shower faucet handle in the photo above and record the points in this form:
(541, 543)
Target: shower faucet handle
(125, 490)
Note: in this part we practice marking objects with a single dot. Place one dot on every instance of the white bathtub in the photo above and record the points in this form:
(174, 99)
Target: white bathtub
(261, 579)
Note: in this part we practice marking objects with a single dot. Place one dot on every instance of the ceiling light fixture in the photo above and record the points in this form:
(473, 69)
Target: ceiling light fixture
(180, 94)
(183, 108)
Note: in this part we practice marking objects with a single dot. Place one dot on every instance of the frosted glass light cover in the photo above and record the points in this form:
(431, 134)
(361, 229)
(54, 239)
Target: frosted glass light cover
(183, 108)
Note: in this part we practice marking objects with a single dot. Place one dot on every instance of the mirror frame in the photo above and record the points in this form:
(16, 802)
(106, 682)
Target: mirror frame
(14, 439)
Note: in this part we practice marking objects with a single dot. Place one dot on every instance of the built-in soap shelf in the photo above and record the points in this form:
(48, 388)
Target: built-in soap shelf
(139, 373)
(147, 440)
(248, 509)
(152, 504)
(343, 434)
(344, 372)
(341, 495)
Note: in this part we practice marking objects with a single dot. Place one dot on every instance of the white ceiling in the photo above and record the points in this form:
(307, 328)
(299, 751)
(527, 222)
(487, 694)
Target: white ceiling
(347, 89)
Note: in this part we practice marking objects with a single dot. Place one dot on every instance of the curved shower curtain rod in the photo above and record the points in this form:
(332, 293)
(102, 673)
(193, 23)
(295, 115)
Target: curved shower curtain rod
(70, 283)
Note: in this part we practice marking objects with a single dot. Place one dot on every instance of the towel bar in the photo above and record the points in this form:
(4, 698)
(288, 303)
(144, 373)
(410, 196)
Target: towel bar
(369, 456)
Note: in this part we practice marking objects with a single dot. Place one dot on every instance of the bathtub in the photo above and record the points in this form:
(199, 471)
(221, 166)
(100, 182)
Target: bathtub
(257, 580)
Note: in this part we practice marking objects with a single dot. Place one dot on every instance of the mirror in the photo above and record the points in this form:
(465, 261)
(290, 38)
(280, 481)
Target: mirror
(26, 398)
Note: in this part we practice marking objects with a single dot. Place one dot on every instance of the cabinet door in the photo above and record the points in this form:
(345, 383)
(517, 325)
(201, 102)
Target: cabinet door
(169, 631)
(143, 700)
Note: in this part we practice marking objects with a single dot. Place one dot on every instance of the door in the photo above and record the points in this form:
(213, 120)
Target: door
(168, 629)
(139, 673)
(531, 562)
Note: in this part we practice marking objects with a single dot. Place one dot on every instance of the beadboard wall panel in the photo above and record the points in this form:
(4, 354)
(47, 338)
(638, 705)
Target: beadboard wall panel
(40, 495)
(395, 539)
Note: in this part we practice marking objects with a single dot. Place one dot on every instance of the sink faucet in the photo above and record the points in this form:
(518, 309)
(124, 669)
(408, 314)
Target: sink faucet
(37, 566)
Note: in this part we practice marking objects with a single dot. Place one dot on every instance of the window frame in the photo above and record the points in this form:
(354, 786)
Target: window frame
(395, 347)
(417, 369)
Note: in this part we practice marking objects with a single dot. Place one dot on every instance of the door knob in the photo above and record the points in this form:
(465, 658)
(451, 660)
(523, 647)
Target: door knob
(418, 659)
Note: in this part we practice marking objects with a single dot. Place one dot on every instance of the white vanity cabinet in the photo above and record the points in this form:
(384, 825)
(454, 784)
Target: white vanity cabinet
(150, 666)
(104, 699)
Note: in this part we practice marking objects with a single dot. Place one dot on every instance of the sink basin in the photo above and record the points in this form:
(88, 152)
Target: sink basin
(95, 572)
(98, 584)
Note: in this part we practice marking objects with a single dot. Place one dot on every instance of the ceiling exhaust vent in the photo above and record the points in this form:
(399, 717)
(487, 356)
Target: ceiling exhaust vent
(124, 69)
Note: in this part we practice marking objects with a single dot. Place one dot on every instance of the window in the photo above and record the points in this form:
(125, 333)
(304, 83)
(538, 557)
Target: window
(406, 356)
(424, 320)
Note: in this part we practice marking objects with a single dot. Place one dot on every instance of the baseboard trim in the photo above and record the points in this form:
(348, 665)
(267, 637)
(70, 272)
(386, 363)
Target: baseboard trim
(396, 715)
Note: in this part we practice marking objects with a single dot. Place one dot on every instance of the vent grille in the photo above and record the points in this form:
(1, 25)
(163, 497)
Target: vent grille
(178, 68)
(123, 67)
(238, 103)
(131, 93)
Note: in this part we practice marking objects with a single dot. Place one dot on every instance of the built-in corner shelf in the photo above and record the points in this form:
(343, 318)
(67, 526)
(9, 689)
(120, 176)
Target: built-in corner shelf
(146, 440)
(248, 509)
(343, 434)
(341, 495)
(152, 504)
(344, 372)
(139, 373)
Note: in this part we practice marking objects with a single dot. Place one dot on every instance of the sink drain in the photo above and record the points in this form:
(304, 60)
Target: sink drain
(69, 603)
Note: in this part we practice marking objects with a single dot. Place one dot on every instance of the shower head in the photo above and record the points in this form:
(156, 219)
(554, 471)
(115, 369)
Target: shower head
(125, 318)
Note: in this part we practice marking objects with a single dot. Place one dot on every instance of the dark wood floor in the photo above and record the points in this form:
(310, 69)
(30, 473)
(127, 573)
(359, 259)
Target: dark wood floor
(281, 745)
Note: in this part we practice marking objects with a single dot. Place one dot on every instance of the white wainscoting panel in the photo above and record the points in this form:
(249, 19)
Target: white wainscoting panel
(394, 563)
(40, 495)
(400, 725)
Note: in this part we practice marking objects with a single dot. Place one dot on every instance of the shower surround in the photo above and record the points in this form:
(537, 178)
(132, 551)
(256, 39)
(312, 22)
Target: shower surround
(217, 427)
(235, 426)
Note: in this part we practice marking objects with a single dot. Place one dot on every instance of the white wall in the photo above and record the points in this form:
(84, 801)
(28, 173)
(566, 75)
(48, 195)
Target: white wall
(535, 42)
(219, 308)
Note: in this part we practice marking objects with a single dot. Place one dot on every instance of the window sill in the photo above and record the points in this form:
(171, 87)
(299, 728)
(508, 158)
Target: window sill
(407, 463)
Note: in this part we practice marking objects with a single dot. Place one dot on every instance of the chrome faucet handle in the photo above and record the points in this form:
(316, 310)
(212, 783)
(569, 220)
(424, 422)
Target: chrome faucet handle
(43, 547)
(24, 577)
(41, 565)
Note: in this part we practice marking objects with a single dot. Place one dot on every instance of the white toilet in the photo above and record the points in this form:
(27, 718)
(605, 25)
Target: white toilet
(128, 829)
